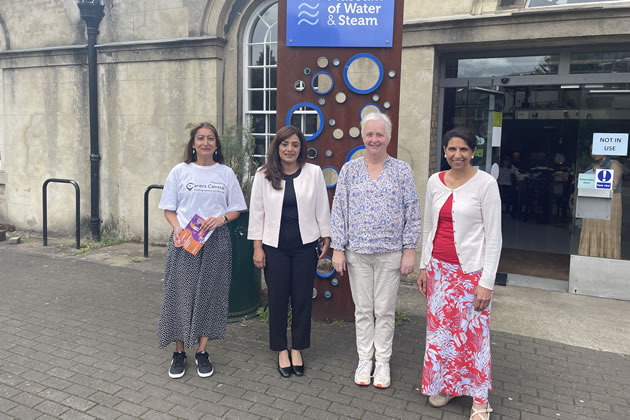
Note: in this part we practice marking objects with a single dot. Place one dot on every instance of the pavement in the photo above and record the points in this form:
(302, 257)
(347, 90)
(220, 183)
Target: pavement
(78, 341)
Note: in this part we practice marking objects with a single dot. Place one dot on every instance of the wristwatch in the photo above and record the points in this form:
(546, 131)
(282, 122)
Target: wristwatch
(225, 219)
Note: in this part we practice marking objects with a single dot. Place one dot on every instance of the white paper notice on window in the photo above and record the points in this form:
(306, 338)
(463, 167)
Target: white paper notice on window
(496, 136)
(610, 144)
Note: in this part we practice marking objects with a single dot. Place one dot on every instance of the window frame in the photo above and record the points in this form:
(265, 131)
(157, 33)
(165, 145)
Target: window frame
(248, 112)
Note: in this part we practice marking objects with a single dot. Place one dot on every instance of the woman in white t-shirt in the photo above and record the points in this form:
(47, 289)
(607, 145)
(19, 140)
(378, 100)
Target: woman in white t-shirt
(196, 287)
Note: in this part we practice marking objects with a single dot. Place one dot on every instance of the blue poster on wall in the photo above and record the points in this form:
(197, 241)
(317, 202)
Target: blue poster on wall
(340, 23)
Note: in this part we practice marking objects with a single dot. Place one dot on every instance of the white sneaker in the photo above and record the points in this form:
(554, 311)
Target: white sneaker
(381, 375)
(362, 376)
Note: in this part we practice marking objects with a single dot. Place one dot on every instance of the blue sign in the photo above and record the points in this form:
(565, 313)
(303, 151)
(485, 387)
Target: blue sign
(604, 179)
(340, 23)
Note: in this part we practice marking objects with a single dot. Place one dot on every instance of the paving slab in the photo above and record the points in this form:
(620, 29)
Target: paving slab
(79, 341)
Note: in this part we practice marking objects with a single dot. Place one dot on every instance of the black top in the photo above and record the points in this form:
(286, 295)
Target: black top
(289, 227)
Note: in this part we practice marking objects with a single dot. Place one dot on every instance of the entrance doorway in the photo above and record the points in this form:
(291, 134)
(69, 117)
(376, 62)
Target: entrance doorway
(537, 115)
(530, 134)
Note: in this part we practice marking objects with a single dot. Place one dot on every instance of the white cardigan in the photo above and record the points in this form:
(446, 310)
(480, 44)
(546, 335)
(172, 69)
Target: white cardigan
(476, 224)
(265, 208)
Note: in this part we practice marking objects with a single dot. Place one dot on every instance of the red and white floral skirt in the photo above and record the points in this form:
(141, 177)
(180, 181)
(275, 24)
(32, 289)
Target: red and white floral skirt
(457, 355)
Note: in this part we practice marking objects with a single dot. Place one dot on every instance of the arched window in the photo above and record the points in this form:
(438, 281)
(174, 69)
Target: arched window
(260, 74)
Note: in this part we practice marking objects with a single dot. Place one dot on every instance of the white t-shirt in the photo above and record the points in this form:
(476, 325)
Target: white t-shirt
(209, 191)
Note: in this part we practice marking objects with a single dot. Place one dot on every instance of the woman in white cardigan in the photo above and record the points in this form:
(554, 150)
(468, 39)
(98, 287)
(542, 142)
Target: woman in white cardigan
(461, 245)
(289, 219)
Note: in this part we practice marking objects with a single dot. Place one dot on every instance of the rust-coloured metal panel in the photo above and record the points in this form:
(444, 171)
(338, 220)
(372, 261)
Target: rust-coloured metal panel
(291, 64)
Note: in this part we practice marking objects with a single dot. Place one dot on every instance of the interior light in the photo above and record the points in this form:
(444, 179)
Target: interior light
(609, 91)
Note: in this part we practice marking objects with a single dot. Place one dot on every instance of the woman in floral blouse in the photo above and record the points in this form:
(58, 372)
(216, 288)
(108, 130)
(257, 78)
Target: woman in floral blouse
(374, 229)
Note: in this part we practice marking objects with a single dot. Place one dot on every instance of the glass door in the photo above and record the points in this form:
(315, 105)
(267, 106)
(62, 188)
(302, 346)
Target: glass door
(480, 109)
(602, 144)
(600, 236)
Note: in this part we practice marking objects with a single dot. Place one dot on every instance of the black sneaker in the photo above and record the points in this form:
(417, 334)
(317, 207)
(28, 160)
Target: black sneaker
(204, 367)
(178, 365)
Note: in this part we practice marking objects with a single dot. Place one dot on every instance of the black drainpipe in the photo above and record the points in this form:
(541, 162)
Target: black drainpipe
(92, 13)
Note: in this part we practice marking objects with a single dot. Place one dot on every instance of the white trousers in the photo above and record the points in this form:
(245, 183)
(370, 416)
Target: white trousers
(374, 281)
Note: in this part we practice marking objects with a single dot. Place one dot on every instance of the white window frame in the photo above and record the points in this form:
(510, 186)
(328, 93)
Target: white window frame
(247, 112)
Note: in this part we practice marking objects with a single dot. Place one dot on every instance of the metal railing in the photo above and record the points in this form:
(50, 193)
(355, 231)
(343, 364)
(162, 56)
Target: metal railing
(146, 216)
(77, 191)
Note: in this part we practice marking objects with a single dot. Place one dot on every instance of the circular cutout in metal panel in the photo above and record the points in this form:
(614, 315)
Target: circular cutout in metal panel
(387, 104)
(321, 101)
(325, 268)
(328, 153)
(308, 118)
(357, 152)
(367, 109)
(322, 62)
(340, 97)
(327, 294)
(335, 282)
(338, 133)
(311, 153)
(354, 132)
(391, 74)
(363, 73)
(322, 82)
(331, 175)
(332, 122)
(376, 97)
(299, 85)
(336, 62)
(307, 70)
(314, 293)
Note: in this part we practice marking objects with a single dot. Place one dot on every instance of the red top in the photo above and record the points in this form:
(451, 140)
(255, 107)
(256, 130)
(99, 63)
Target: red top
(444, 241)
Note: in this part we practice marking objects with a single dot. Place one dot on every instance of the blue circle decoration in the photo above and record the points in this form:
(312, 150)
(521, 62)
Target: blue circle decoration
(326, 275)
(327, 294)
(353, 151)
(335, 281)
(366, 105)
(335, 169)
(332, 82)
(319, 113)
(380, 74)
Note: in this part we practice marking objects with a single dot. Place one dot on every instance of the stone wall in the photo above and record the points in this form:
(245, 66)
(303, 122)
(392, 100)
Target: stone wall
(161, 68)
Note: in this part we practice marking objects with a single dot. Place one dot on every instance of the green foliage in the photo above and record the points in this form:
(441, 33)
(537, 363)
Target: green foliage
(105, 242)
(338, 323)
(238, 147)
(136, 259)
(263, 313)
(401, 318)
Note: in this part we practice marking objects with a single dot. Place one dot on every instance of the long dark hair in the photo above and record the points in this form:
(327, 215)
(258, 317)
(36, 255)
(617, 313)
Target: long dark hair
(190, 156)
(273, 167)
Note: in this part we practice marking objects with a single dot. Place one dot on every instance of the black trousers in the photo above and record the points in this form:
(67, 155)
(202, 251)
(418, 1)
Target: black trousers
(290, 273)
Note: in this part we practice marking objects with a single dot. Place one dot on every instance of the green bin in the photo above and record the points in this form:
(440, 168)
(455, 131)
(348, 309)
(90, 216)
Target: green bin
(245, 288)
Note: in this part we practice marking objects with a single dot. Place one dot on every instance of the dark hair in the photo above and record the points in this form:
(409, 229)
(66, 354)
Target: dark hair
(463, 133)
(273, 167)
(189, 156)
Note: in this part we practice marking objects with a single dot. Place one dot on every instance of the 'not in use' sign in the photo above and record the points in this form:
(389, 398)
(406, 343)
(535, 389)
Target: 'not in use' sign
(610, 144)
(340, 23)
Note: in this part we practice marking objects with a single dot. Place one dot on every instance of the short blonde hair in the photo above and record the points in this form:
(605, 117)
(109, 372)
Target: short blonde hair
(377, 116)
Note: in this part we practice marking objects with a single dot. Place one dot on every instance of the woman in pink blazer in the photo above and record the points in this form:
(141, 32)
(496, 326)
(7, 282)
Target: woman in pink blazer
(289, 216)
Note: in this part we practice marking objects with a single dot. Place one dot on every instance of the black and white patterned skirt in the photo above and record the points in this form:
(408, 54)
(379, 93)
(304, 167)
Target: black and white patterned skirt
(196, 291)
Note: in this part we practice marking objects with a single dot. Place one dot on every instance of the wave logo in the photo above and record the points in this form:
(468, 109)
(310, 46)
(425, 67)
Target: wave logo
(309, 10)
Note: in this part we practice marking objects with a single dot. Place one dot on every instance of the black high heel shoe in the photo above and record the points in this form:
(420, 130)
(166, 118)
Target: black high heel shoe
(285, 372)
(298, 370)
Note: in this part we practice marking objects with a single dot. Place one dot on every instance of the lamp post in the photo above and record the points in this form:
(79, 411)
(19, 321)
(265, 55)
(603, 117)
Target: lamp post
(92, 13)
